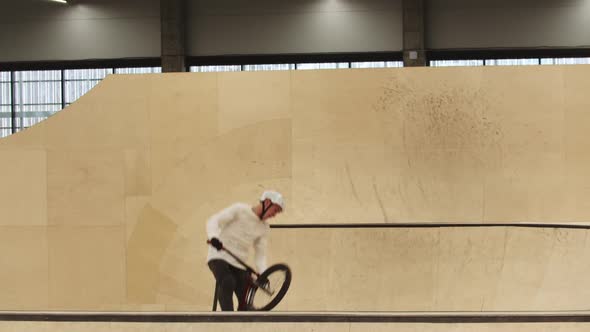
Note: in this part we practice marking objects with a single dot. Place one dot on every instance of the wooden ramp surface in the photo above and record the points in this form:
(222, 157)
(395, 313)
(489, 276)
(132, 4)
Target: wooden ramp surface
(562, 321)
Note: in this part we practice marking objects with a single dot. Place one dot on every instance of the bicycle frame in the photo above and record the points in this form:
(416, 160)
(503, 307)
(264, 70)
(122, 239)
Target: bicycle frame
(248, 268)
(249, 283)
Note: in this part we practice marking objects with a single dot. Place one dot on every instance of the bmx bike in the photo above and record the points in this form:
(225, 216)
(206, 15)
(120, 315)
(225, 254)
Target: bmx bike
(264, 292)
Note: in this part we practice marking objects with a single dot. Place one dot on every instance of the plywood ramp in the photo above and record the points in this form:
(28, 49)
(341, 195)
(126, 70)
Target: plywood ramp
(290, 327)
(104, 204)
(325, 323)
(296, 321)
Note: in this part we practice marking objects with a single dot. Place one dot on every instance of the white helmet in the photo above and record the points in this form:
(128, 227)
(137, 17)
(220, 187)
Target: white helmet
(274, 197)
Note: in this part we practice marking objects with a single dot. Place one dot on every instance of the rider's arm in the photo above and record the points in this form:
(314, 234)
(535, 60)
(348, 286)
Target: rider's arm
(219, 220)
(260, 253)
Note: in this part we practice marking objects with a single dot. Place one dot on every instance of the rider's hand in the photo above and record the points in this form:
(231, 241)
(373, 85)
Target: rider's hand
(216, 243)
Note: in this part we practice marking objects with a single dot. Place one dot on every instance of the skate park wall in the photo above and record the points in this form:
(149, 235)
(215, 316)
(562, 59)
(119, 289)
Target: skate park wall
(104, 204)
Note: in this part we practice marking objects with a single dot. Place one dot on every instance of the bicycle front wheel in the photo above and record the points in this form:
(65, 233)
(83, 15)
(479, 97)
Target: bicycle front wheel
(266, 298)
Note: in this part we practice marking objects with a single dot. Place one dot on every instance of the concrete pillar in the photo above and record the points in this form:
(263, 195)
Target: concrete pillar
(413, 27)
(172, 18)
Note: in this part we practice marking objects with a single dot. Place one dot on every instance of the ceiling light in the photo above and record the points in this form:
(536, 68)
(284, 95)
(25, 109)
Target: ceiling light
(61, 1)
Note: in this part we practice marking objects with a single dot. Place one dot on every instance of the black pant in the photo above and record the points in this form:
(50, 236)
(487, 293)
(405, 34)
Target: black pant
(229, 279)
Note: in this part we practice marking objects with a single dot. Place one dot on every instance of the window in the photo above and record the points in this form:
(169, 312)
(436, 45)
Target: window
(37, 96)
(282, 66)
(327, 65)
(565, 61)
(512, 62)
(299, 66)
(455, 63)
(377, 64)
(208, 69)
(5, 105)
(78, 82)
(138, 70)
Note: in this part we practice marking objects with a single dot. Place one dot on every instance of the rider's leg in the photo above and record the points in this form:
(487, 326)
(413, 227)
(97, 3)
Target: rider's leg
(227, 283)
(241, 286)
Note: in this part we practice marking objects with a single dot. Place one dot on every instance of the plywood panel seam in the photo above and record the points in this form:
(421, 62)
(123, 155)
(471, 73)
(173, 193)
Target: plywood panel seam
(49, 300)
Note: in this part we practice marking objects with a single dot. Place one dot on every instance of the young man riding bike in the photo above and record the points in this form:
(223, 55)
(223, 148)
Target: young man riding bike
(238, 228)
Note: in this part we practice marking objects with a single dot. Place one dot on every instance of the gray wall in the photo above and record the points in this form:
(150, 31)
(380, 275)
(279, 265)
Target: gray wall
(32, 30)
(507, 23)
(271, 26)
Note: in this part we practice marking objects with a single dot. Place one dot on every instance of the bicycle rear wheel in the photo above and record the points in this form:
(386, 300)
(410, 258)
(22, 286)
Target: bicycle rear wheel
(279, 280)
